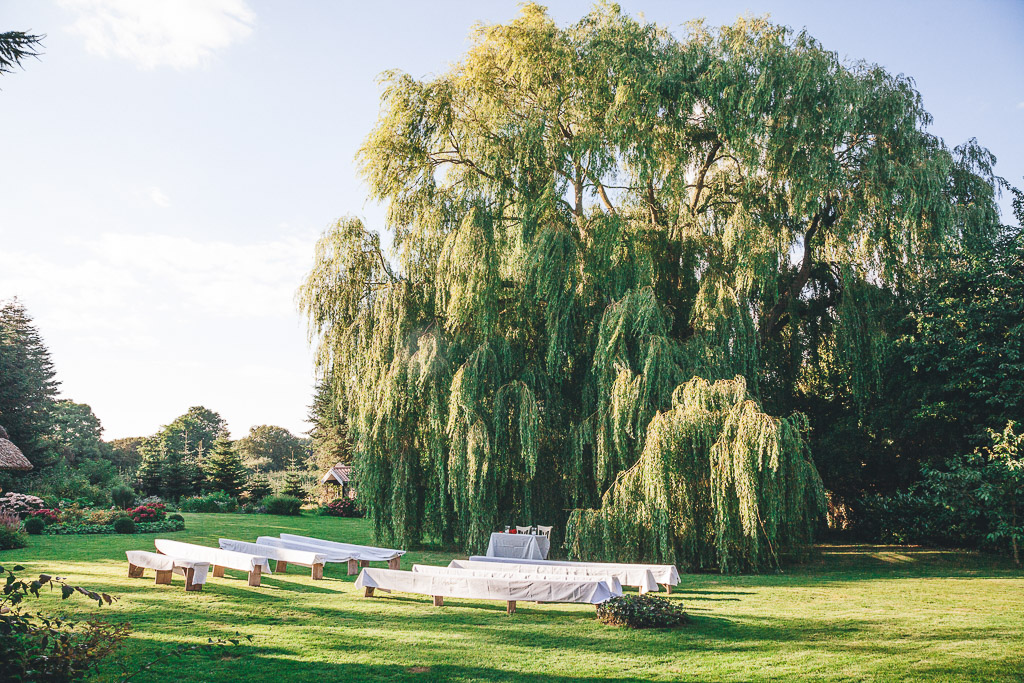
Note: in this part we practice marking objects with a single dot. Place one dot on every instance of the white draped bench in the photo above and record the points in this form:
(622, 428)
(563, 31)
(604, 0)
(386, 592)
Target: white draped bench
(483, 587)
(164, 565)
(501, 572)
(361, 555)
(282, 556)
(629, 574)
(254, 565)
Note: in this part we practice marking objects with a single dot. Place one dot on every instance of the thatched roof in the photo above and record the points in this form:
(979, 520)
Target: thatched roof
(11, 457)
(340, 474)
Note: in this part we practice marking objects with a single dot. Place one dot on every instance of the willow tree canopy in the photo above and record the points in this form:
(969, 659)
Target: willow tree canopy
(586, 219)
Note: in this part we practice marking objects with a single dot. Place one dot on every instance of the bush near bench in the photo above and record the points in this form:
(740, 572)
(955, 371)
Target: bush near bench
(641, 611)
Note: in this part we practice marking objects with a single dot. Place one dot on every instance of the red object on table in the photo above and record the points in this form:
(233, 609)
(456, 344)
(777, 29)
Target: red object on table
(513, 530)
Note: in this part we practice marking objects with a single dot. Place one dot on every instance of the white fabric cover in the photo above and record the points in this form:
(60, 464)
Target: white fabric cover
(244, 562)
(358, 552)
(518, 546)
(330, 554)
(484, 587)
(162, 563)
(663, 573)
(500, 571)
(303, 558)
(641, 578)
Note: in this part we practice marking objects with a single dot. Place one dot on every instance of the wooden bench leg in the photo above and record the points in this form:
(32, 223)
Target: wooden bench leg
(134, 572)
(163, 577)
(438, 601)
(254, 576)
(318, 572)
(352, 567)
(395, 563)
(218, 571)
(364, 563)
(281, 567)
(368, 593)
(668, 587)
(511, 606)
(189, 586)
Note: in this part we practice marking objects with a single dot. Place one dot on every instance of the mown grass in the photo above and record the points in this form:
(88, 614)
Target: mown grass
(853, 613)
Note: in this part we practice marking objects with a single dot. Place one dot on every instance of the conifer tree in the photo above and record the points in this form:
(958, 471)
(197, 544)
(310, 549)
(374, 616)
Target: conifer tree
(258, 487)
(585, 219)
(223, 469)
(293, 485)
(151, 466)
(28, 388)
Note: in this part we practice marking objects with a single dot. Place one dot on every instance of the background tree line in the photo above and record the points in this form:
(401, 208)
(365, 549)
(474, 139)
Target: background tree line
(191, 454)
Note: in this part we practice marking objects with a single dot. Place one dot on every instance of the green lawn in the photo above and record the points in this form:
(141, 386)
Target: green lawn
(854, 613)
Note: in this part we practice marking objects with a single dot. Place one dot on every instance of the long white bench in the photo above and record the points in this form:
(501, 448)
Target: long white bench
(254, 565)
(639, 577)
(500, 572)
(629, 574)
(330, 555)
(282, 556)
(483, 587)
(164, 565)
(351, 552)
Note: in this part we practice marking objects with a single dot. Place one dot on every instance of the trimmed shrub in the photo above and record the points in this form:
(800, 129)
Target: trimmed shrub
(123, 496)
(11, 536)
(34, 525)
(641, 611)
(282, 505)
(175, 518)
(124, 525)
(341, 507)
(211, 502)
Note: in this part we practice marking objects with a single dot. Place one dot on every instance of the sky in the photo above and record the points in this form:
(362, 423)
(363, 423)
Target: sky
(169, 164)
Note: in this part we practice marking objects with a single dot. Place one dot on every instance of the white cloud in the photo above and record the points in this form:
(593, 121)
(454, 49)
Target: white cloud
(159, 197)
(182, 34)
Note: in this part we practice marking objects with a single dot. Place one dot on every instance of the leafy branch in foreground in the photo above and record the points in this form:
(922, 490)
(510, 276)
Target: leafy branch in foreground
(39, 648)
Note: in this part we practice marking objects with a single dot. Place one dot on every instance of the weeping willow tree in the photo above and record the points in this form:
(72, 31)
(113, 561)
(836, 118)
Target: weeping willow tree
(585, 219)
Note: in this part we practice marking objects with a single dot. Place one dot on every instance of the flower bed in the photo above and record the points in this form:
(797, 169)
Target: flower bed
(140, 528)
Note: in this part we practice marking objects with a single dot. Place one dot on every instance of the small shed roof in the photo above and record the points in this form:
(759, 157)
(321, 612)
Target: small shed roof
(11, 457)
(341, 474)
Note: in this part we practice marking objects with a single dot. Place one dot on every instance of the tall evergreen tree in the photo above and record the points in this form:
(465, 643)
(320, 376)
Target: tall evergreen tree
(293, 485)
(584, 220)
(258, 487)
(223, 468)
(28, 387)
(150, 474)
(329, 435)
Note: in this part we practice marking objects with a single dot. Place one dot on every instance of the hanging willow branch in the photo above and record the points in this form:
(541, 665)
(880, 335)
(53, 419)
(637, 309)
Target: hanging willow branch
(719, 485)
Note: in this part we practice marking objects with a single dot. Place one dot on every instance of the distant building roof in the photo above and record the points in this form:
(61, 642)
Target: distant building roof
(11, 457)
(342, 474)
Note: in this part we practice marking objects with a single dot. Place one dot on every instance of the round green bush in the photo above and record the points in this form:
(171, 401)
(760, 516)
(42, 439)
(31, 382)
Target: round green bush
(124, 525)
(641, 611)
(282, 505)
(123, 496)
(176, 517)
(35, 525)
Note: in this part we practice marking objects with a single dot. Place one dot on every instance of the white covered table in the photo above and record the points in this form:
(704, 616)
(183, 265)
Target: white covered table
(518, 546)
(460, 585)
(641, 578)
(629, 574)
